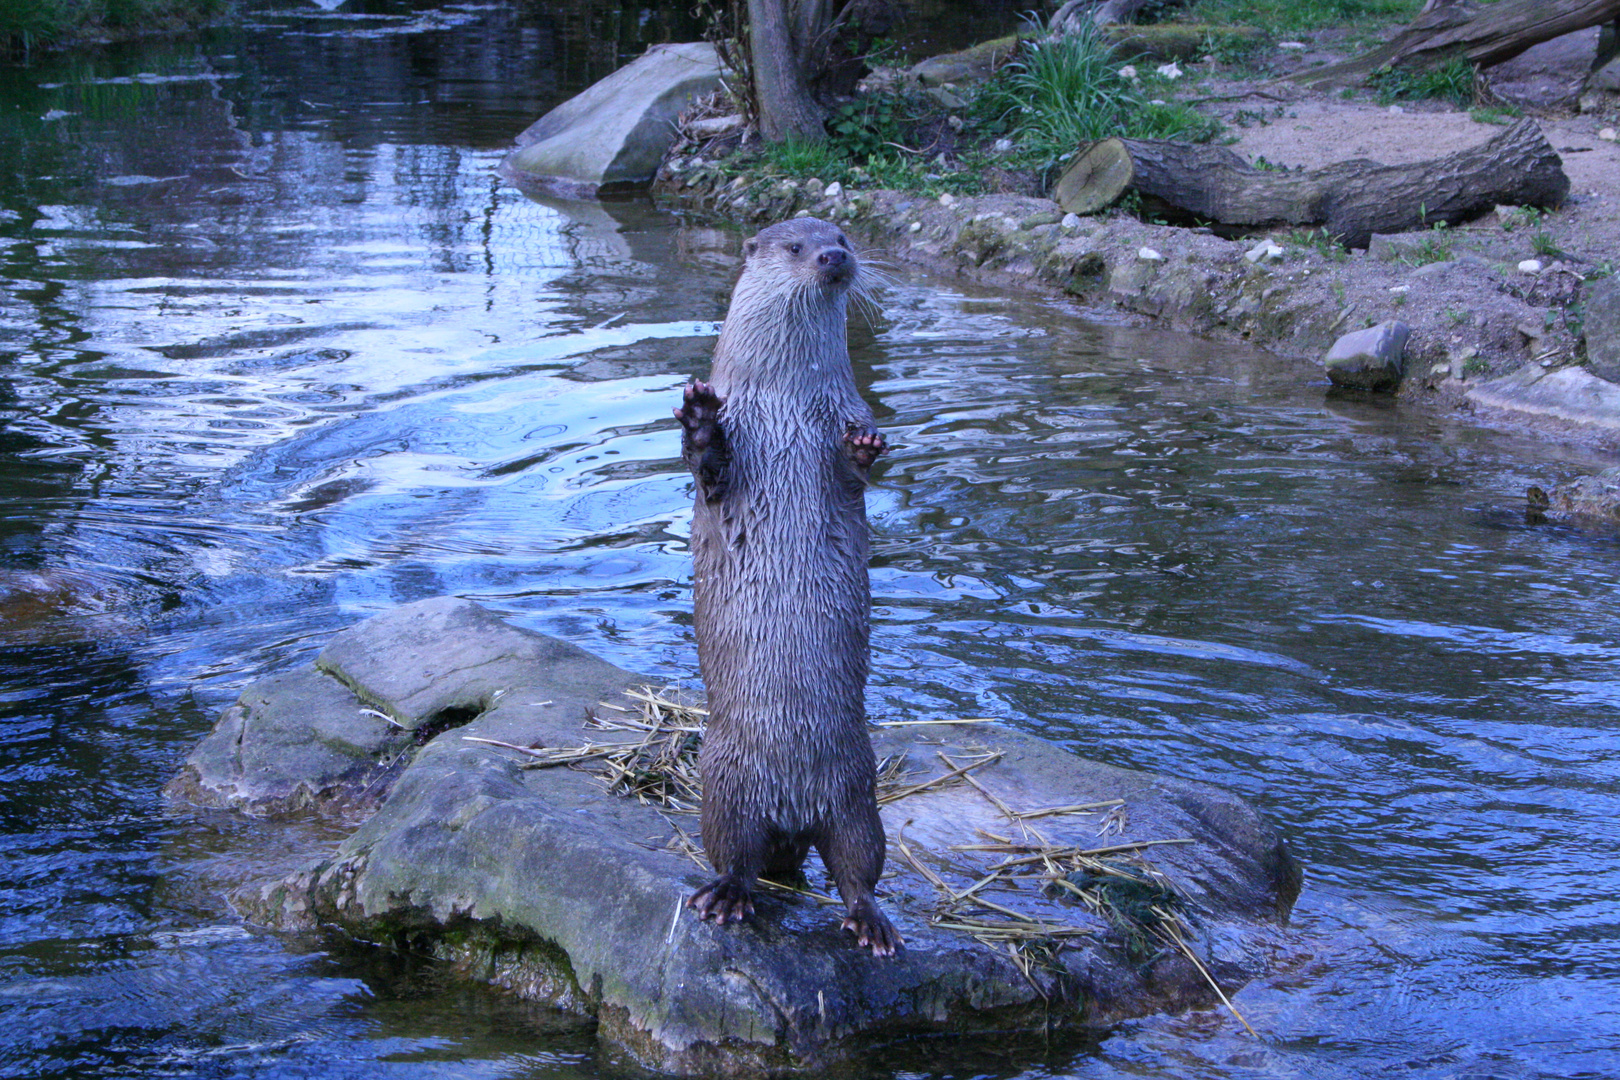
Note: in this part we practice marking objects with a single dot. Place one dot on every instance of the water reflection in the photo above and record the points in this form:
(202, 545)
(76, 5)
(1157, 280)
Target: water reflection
(277, 350)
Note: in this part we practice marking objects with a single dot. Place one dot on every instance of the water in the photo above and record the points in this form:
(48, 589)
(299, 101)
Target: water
(278, 350)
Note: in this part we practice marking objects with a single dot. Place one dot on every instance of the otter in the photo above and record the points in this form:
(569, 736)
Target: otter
(779, 443)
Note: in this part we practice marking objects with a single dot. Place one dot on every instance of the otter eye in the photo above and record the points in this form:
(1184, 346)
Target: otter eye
(795, 248)
(842, 242)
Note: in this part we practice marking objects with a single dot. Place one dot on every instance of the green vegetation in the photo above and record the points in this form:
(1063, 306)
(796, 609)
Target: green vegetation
(1058, 94)
(26, 24)
(1495, 114)
(1435, 247)
(1454, 83)
(1543, 244)
(1292, 16)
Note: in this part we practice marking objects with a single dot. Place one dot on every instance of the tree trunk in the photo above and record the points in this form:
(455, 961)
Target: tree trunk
(1351, 199)
(1484, 36)
(782, 93)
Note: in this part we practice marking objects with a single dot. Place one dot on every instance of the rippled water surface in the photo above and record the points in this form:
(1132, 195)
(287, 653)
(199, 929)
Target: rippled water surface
(278, 350)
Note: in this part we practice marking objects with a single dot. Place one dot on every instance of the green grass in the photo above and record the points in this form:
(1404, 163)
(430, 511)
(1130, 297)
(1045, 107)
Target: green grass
(1453, 82)
(1058, 94)
(1495, 114)
(1294, 16)
(25, 24)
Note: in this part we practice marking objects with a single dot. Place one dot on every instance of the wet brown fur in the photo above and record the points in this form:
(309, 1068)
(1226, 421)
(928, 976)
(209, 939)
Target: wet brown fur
(780, 443)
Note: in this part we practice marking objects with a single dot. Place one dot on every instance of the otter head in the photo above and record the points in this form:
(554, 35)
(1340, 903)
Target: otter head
(806, 252)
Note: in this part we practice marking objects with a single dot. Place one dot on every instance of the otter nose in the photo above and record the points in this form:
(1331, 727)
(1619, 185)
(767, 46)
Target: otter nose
(833, 258)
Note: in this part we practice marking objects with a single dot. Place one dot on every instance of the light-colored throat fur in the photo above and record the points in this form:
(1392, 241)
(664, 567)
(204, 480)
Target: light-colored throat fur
(784, 334)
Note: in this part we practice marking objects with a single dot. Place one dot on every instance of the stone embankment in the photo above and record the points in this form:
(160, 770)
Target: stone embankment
(494, 826)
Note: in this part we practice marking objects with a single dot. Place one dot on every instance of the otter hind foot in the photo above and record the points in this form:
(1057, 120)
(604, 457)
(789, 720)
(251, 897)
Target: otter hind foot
(864, 447)
(872, 929)
(725, 899)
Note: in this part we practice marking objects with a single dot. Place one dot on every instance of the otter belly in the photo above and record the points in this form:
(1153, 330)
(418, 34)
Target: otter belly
(781, 612)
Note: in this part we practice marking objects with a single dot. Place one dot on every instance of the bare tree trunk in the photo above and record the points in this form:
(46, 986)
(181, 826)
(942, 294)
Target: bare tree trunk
(786, 108)
(1485, 36)
(1352, 199)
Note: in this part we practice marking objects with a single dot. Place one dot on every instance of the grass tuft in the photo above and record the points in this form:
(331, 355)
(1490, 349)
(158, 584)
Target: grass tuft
(1061, 92)
(1454, 82)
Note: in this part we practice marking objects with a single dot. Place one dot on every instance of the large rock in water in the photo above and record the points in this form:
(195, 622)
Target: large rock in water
(545, 881)
(611, 137)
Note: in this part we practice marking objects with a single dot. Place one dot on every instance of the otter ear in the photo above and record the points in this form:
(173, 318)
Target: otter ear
(749, 247)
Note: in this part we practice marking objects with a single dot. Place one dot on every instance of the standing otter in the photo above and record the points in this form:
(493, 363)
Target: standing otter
(780, 444)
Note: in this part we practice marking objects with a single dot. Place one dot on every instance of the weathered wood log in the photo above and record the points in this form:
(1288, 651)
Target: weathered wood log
(1351, 199)
(1484, 36)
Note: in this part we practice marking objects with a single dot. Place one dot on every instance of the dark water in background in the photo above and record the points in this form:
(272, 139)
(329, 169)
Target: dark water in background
(277, 351)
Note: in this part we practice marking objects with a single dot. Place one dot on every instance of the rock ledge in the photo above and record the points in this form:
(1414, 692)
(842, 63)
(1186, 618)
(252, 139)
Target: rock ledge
(543, 881)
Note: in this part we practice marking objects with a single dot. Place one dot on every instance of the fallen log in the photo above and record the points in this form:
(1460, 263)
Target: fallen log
(1484, 36)
(1351, 199)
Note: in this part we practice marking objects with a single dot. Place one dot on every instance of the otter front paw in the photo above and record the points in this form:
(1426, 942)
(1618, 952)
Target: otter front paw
(725, 899)
(872, 929)
(703, 439)
(864, 446)
(699, 414)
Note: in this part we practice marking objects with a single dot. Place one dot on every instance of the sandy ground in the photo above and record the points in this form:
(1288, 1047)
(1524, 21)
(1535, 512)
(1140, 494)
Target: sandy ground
(1312, 130)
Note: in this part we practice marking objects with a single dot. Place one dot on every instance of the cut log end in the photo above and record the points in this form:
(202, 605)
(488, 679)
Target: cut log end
(1099, 174)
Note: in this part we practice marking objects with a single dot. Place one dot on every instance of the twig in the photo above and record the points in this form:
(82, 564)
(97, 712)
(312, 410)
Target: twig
(892, 796)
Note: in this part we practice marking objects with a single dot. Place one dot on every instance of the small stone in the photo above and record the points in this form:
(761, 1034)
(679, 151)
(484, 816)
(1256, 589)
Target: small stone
(802, 213)
(1070, 222)
(834, 190)
(1396, 110)
(1370, 359)
(813, 187)
(1440, 370)
(947, 199)
(1530, 266)
(1002, 146)
(1147, 254)
(1128, 72)
(1170, 71)
(1264, 251)
(698, 163)
(955, 122)
(1608, 135)
(1292, 45)
(1400, 288)
(916, 226)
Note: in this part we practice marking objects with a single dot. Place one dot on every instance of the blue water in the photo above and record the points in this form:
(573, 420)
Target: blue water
(278, 350)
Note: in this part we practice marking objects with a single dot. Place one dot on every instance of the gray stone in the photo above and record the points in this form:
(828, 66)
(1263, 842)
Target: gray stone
(1370, 359)
(293, 742)
(613, 135)
(1588, 499)
(1602, 328)
(1569, 393)
(543, 881)
(968, 66)
(1606, 77)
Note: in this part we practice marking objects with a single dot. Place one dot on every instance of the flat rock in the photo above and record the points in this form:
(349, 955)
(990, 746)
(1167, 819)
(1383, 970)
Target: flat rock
(291, 743)
(1570, 393)
(1370, 359)
(544, 881)
(613, 135)
(972, 65)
